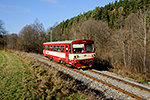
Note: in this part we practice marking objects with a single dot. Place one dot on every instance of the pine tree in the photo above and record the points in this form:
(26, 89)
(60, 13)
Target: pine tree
(111, 20)
(105, 15)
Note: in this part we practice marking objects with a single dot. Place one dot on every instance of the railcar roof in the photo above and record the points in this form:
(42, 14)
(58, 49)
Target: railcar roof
(57, 42)
(67, 41)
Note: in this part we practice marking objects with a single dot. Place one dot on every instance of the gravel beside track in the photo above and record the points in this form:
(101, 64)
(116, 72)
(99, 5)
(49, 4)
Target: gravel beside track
(95, 85)
(139, 92)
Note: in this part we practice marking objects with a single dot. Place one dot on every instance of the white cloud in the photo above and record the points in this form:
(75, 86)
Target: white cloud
(7, 12)
(52, 1)
(26, 10)
(6, 6)
(13, 8)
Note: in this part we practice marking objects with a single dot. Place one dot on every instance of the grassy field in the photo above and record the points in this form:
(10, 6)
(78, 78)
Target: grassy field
(21, 78)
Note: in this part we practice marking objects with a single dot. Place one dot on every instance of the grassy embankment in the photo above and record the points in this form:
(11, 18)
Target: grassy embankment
(23, 79)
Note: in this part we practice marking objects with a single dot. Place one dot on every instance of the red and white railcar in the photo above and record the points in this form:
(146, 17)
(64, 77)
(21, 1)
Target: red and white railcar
(78, 53)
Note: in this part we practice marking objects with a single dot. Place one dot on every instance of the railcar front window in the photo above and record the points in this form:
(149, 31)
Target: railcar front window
(89, 47)
(78, 48)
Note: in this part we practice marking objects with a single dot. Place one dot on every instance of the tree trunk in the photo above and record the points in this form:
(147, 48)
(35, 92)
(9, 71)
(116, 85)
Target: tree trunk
(123, 47)
(144, 26)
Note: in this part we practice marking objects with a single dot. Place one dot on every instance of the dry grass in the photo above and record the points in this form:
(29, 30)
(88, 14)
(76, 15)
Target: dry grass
(24, 79)
(63, 84)
(130, 74)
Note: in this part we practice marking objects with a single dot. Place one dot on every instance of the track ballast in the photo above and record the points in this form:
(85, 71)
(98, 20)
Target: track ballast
(111, 86)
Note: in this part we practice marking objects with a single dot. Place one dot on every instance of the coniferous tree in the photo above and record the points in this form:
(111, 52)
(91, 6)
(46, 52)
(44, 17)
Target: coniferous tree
(104, 15)
(111, 20)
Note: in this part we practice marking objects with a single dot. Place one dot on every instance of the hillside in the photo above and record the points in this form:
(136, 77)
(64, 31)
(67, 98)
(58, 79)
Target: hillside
(109, 13)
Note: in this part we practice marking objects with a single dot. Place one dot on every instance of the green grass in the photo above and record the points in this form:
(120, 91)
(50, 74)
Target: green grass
(1, 58)
(11, 80)
(23, 79)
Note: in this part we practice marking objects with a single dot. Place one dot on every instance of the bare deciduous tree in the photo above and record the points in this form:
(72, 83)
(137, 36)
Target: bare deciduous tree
(34, 36)
(97, 31)
(12, 41)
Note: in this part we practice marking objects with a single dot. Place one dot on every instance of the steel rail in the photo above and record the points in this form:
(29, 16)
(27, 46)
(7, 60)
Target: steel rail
(132, 84)
(114, 87)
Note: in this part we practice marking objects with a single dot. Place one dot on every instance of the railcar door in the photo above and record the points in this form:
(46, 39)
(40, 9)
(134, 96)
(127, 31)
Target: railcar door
(66, 54)
(44, 50)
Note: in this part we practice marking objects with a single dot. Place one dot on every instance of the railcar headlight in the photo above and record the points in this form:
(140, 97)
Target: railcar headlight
(93, 55)
(74, 57)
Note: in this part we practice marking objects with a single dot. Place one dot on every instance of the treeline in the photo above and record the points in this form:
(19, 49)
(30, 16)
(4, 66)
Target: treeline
(30, 38)
(2, 33)
(120, 30)
(109, 13)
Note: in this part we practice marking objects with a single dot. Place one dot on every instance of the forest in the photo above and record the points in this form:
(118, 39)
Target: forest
(120, 30)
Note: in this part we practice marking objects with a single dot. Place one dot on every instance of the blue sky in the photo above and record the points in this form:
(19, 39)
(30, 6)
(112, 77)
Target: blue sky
(18, 13)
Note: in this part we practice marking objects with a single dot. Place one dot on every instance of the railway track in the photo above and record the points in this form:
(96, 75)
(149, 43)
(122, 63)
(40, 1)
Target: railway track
(136, 96)
(142, 94)
(132, 89)
(132, 84)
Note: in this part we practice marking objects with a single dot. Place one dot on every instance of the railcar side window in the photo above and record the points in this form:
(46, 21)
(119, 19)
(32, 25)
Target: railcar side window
(51, 47)
(62, 48)
(70, 48)
(54, 48)
(46, 47)
(58, 49)
(66, 48)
